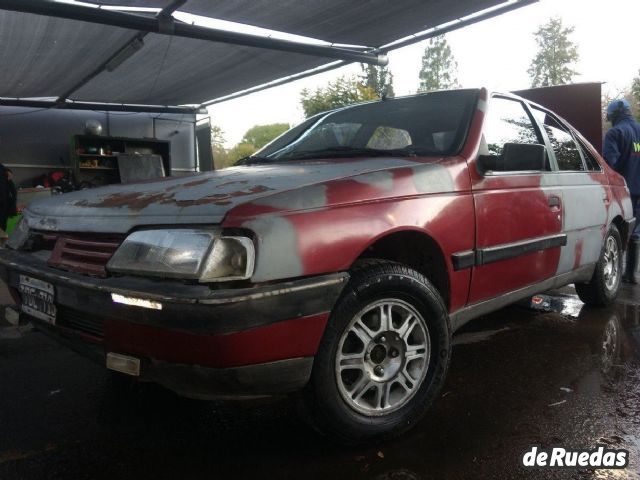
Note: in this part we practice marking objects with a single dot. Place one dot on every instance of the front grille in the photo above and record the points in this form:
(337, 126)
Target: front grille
(82, 322)
(86, 254)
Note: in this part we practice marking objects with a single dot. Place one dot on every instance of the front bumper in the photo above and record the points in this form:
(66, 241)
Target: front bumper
(203, 342)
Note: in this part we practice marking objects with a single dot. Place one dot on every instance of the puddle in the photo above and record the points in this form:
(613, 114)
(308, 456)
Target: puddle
(476, 337)
(555, 373)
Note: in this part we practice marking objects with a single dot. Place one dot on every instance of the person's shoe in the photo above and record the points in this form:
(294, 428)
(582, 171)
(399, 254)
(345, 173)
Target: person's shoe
(632, 270)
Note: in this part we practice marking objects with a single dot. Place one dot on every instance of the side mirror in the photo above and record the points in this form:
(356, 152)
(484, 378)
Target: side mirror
(516, 157)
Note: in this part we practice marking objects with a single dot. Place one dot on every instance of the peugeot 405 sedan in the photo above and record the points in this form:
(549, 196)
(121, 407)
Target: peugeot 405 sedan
(336, 262)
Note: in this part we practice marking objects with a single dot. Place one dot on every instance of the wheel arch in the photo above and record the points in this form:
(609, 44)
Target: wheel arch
(416, 249)
(623, 228)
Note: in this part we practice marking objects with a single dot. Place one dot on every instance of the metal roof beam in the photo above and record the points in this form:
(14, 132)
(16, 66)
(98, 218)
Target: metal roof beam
(166, 25)
(102, 107)
(434, 32)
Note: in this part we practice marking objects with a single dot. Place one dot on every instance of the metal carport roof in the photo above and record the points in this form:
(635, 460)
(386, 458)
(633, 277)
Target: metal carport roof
(45, 55)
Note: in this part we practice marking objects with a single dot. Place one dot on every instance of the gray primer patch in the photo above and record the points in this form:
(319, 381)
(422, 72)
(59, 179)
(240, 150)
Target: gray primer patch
(432, 178)
(591, 245)
(382, 180)
(41, 223)
(313, 196)
(277, 256)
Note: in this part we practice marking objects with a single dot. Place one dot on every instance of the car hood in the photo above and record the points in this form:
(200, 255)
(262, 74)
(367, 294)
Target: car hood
(199, 199)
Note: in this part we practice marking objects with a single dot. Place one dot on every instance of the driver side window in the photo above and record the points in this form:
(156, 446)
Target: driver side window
(507, 126)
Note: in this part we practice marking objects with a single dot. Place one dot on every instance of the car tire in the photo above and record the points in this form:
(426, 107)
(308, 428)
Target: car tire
(415, 355)
(603, 287)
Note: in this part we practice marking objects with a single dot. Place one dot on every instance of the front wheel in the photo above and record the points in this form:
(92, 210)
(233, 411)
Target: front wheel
(383, 357)
(603, 287)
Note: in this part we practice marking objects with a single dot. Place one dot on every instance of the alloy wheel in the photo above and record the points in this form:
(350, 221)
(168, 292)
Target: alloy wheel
(383, 357)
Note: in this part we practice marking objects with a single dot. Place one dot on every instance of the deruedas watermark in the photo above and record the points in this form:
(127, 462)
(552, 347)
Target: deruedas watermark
(558, 457)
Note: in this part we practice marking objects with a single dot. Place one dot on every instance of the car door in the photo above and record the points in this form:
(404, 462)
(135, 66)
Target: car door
(585, 191)
(519, 215)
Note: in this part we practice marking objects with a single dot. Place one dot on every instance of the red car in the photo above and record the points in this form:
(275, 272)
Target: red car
(338, 260)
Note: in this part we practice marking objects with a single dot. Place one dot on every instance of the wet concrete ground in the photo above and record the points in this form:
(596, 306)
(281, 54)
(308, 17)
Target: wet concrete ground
(519, 377)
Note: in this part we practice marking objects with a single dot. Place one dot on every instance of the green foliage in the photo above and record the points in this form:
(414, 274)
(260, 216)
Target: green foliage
(439, 66)
(556, 54)
(635, 89)
(239, 151)
(378, 79)
(220, 154)
(260, 135)
(254, 139)
(339, 93)
(626, 93)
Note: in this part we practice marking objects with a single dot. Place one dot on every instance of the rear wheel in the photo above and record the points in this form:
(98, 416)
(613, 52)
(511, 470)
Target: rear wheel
(384, 355)
(603, 287)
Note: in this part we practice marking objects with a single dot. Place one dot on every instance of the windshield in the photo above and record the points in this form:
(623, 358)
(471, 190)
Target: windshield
(433, 124)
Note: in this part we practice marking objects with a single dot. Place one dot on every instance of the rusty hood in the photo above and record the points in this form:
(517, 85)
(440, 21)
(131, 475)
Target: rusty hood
(200, 199)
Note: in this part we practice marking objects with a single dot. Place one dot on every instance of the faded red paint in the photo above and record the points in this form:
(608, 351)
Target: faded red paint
(477, 212)
(578, 253)
(444, 199)
(195, 183)
(281, 340)
(140, 201)
(356, 214)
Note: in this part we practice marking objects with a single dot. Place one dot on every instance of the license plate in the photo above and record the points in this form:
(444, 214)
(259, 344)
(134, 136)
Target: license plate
(38, 299)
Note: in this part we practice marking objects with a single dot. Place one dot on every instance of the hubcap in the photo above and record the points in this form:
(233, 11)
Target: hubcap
(611, 263)
(382, 357)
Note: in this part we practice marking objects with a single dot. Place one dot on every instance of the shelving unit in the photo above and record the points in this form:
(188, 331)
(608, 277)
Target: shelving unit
(94, 159)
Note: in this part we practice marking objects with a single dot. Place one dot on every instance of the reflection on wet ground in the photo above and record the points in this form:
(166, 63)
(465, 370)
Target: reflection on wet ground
(549, 372)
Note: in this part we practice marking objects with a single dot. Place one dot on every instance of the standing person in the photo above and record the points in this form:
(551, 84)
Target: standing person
(4, 198)
(622, 152)
(12, 194)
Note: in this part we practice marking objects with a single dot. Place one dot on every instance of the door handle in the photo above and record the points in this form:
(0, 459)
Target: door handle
(554, 202)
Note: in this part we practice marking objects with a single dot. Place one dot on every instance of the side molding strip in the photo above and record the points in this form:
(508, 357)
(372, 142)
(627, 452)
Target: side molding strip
(465, 314)
(505, 251)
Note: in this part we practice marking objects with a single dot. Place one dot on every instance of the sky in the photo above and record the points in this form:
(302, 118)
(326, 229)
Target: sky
(495, 53)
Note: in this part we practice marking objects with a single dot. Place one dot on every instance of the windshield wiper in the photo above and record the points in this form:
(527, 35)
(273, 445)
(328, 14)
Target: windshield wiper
(253, 160)
(345, 151)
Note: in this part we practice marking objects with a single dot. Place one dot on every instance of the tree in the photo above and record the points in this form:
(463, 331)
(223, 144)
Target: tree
(254, 139)
(260, 135)
(439, 66)
(339, 93)
(552, 65)
(220, 154)
(378, 79)
(628, 94)
(239, 151)
(635, 89)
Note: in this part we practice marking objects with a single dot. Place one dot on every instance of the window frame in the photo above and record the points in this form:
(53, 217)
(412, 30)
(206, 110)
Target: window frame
(536, 128)
(550, 151)
(586, 149)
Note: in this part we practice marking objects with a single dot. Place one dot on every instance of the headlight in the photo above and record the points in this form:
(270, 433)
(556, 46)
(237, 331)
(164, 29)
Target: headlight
(201, 255)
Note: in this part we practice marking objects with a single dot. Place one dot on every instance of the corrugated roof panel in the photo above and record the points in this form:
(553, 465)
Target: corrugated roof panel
(191, 72)
(43, 57)
(356, 22)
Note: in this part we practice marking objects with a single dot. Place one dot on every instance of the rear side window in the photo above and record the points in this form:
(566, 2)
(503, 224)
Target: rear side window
(562, 142)
(589, 159)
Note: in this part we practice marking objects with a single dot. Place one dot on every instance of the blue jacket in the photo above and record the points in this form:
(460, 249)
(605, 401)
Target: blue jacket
(622, 151)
